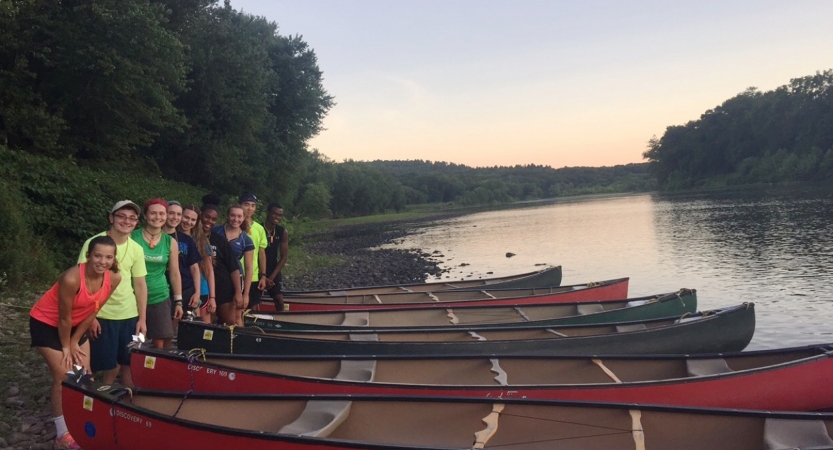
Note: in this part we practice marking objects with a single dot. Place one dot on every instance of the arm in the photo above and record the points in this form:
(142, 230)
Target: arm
(195, 275)
(248, 264)
(175, 278)
(238, 296)
(209, 277)
(140, 288)
(284, 254)
(68, 286)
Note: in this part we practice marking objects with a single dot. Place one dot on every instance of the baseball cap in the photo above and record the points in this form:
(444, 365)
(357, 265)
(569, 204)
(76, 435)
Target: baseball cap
(247, 198)
(126, 204)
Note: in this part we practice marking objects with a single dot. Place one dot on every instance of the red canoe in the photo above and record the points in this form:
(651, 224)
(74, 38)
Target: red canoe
(787, 379)
(603, 290)
(102, 417)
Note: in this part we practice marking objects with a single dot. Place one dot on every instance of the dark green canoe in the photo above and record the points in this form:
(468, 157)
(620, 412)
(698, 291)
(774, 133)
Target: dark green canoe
(473, 317)
(723, 330)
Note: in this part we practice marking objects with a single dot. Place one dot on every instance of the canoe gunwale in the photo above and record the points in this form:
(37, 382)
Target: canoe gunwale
(684, 380)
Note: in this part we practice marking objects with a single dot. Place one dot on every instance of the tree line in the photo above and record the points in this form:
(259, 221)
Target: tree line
(102, 100)
(781, 135)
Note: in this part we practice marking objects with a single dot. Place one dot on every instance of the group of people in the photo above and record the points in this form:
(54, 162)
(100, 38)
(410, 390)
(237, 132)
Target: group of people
(139, 280)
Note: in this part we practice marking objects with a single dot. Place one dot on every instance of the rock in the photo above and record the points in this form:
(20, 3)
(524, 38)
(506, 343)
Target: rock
(487, 273)
(16, 438)
(15, 401)
(509, 254)
(35, 428)
(13, 390)
(461, 264)
(5, 428)
(3, 443)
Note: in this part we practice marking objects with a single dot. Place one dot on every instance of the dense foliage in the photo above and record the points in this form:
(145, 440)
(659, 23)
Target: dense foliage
(102, 100)
(775, 136)
(212, 96)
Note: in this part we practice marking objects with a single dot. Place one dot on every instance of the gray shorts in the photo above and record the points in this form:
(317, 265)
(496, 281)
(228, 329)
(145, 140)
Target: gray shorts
(159, 320)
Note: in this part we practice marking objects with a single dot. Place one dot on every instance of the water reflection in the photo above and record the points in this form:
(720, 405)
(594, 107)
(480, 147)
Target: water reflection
(771, 247)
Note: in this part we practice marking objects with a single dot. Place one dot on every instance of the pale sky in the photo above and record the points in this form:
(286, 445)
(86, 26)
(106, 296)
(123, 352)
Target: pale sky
(558, 83)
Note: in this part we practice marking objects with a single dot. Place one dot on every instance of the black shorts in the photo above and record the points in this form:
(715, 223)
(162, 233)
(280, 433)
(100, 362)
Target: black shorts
(45, 335)
(277, 289)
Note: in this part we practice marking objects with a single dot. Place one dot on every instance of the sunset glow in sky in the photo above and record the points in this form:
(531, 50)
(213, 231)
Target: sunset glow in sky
(559, 83)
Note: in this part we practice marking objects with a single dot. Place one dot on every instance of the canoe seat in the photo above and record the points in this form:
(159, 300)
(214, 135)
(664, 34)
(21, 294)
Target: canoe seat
(703, 367)
(786, 434)
(630, 327)
(319, 418)
(589, 308)
(689, 319)
(357, 370)
(364, 337)
(338, 293)
(356, 319)
(633, 303)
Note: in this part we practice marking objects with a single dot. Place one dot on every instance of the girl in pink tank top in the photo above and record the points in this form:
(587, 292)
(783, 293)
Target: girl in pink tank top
(59, 321)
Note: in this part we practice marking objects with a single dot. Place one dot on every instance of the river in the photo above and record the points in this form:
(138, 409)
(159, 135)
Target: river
(773, 247)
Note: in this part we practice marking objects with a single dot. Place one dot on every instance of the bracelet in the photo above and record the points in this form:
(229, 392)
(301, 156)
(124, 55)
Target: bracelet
(178, 302)
(212, 298)
(177, 298)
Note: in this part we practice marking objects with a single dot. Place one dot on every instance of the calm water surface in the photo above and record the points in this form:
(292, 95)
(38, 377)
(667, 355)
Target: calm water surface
(771, 247)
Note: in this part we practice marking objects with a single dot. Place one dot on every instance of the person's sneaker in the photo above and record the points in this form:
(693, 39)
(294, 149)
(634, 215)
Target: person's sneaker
(66, 442)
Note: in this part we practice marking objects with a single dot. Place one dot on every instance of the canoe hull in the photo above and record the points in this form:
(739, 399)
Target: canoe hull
(783, 387)
(729, 330)
(105, 417)
(550, 276)
(661, 306)
(609, 290)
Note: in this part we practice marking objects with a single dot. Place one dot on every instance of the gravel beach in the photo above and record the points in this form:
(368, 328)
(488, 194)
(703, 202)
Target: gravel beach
(25, 418)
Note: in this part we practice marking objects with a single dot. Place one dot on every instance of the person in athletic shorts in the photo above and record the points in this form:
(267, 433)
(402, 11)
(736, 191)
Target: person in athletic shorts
(161, 257)
(59, 321)
(189, 259)
(258, 236)
(227, 277)
(234, 232)
(277, 251)
(124, 315)
(191, 225)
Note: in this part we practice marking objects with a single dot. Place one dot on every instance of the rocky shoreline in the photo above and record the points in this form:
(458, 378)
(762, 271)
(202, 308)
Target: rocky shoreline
(363, 263)
(25, 417)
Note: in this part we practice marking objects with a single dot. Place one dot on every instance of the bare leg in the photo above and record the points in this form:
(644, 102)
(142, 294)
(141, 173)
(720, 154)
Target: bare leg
(53, 361)
(163, 343)
(227, 312)
(126, 377)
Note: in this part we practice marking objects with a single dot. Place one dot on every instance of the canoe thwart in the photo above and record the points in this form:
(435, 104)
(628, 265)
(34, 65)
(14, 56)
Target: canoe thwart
(319, 418)
(522, 314)
(502, 377)
(607, 371)
(453, 317)
(636, 429)
(633, 303)
(362, 370)
(630, 327)
(364, 337)
(476, 336)
(786, 434)
(481, 438)
(704, 367)
(589, 308)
